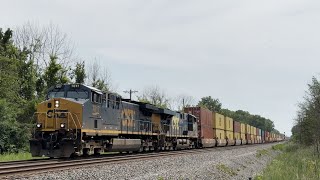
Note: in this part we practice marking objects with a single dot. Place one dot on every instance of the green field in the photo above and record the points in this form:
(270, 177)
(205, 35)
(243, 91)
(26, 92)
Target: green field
(296, 162)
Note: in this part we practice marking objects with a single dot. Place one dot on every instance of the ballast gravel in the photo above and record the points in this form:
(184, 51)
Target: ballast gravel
(241, 163)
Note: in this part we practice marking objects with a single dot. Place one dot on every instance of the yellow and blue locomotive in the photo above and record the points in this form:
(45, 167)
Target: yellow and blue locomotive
(78, 119)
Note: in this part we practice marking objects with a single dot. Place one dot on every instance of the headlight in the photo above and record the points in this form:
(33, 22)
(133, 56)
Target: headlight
(56, 104)
(39, 125)
(62, 125)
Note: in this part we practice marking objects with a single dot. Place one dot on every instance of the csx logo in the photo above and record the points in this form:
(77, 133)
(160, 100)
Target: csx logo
(175, 122)
(128, 117)
(95, 110)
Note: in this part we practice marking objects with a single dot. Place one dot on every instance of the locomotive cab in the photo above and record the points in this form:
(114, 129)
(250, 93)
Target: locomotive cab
(59, 120)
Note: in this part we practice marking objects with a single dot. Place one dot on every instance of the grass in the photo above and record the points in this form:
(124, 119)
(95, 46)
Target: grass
(294, 162)
(226, 169)
(16, 156)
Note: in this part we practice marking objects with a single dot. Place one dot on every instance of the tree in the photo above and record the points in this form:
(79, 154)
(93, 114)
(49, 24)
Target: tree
(180, 102)
(212, 104)
(43, 43)
(54, 73)
(99, 79)
(79, 73)
(154, 95)
(307, 125)
(16, 93)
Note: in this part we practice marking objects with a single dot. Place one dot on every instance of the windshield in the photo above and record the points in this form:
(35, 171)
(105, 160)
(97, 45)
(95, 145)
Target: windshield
(81, 94)
(74, 94)
(55, 94)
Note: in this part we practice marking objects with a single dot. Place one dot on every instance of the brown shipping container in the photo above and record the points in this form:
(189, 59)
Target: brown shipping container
(248, 137)
(236, 127)
(257, 131)
(205, 121)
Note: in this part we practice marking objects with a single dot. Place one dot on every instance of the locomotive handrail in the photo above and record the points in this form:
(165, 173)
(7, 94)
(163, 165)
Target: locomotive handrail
(69, 113)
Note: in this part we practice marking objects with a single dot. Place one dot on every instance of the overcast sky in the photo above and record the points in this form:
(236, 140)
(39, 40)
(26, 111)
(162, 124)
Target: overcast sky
(252, 55)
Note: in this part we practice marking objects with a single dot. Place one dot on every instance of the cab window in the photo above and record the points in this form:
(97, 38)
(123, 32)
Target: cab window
(96, 97)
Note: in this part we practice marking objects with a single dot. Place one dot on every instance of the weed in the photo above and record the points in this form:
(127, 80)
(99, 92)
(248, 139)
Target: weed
(280, 147)
(294, 163)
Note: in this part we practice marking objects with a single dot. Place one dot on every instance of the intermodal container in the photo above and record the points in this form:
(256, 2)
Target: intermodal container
(259, 139)
(243, 136)
(228, 124)
(237, 136)
(219, 134)
(243, 128)
(266, 134)
(248, 129)
(260, 132)
(248, 137)
(252, 130)
(218, 121)
(263, 137)
(229, 134)
(252, 138)
(230, 138)
(236, 127)
(205, 121)
(257, 131)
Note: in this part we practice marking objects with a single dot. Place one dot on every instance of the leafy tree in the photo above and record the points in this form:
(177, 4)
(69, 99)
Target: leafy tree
(98, 78)
(212, 104)
(180, 102)
(54, 73)
(306, 130)
(79, 72)
(16, 93)
(156, 96)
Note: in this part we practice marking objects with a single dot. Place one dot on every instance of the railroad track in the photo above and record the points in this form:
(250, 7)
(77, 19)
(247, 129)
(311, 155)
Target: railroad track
(21, 168)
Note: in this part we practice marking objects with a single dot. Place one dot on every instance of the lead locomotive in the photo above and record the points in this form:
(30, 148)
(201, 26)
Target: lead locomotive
(78, 119)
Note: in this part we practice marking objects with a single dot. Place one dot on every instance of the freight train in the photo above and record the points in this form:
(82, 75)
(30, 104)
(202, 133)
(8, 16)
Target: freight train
(81, 120)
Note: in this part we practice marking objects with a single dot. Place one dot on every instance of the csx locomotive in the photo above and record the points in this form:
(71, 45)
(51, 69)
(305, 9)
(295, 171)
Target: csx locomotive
(78, 119)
